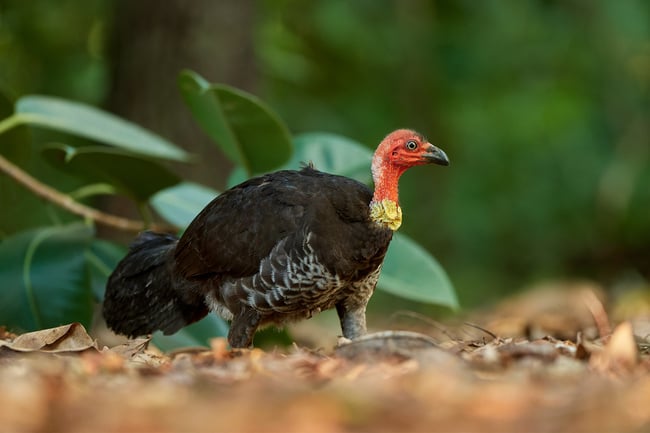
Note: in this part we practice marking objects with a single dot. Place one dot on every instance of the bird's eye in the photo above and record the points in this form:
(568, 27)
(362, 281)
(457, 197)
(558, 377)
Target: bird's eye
(411, 145)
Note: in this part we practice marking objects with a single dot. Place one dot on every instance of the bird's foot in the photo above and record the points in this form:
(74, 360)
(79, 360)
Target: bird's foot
(343, 341)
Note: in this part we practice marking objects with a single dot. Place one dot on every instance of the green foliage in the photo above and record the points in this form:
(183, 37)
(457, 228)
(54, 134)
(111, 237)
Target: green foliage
(328, 152)
(121, 170)
(65, 267)
(181, 203)
(55, 274)
(102, 257)
(56, 48)
(88, 122)
(244, 127)
(408, 269)
(194, 335)
(333, 153)
(45, 277)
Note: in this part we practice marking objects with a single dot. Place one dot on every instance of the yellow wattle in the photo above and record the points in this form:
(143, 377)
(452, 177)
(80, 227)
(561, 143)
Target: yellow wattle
(386, 212)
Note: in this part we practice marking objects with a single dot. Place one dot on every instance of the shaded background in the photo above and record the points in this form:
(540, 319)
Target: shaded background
(542, 106)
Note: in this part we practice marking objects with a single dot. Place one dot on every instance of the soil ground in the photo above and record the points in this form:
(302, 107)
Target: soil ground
(547, 361)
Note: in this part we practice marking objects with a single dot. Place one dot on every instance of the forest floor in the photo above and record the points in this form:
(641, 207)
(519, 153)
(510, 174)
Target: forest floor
(546, 361)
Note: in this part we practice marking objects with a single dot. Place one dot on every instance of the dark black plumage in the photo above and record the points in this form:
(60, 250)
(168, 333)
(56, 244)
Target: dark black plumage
(276, 248)
(140, 294)
(163, 283)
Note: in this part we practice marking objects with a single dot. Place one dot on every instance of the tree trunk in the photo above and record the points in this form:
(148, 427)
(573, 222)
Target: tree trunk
(154, 41)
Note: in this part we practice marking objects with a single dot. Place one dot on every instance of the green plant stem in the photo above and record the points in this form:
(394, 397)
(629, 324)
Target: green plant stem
(27, 279)
(145, 213)
(91, 190)
(69, 204)
(10, 122)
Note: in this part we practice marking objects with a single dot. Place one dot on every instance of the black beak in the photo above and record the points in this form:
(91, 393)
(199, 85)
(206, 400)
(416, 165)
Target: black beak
(436, 155)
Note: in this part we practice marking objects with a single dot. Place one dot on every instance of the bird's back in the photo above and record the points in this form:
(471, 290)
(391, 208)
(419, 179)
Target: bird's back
(238, 229)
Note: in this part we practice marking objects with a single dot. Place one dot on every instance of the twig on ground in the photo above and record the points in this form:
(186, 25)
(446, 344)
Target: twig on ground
(429, 321)
(598, 312)
(475, 326)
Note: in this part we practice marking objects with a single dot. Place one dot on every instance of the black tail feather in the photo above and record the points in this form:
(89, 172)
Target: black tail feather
(142, 295)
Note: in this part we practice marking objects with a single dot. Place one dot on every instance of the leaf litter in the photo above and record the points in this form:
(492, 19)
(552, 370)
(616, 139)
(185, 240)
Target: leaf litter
(61, 379)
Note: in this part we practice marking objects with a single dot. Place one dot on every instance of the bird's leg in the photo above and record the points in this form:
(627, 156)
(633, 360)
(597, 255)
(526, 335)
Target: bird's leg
(353, 320)
(243, 327)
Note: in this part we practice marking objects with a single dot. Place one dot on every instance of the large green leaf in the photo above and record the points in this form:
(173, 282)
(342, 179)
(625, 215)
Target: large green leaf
(181, 203)
(127, 172)
(102, 257)
(44, 280)
(330, 153)
(89, 122)
(212, 326)
(244, 127)
(411, 272)
(197, 334)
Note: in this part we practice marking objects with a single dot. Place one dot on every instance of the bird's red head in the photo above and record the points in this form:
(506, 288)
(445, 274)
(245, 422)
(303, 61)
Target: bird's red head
(405, 148)
(400, 150)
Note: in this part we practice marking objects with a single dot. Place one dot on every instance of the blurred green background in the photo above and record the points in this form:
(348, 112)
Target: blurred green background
(542, 106)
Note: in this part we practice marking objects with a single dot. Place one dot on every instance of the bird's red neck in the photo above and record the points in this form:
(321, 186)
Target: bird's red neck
(386, 178)
(384, 207)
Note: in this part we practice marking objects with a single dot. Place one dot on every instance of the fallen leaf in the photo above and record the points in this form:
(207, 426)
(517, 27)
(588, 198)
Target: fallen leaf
(131, 347)
(556, 308)
(68, 338)
(619, 354)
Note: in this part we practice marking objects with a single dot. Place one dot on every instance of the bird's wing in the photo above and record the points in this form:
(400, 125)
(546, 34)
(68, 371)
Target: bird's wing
(237, 229)
(242, 226)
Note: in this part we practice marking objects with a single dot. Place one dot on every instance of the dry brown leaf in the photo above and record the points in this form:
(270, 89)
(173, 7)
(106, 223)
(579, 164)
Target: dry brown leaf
(131, 347)
(219, 347)
(619, 354)
(556, 308)
(67, 338)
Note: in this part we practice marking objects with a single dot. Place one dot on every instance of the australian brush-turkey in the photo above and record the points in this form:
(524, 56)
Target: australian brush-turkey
(277, 248)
